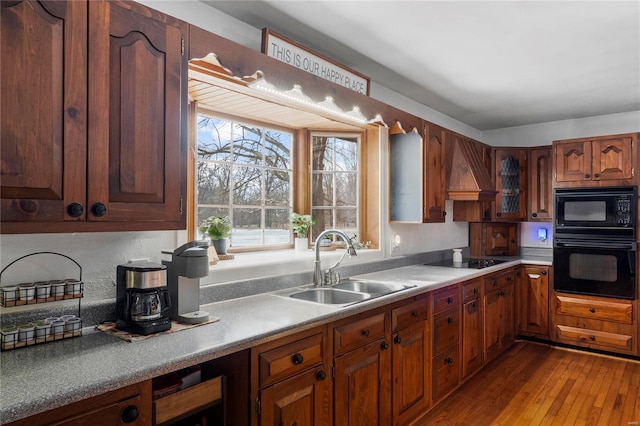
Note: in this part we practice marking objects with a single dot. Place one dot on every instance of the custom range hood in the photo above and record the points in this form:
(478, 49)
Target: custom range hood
(469, 179)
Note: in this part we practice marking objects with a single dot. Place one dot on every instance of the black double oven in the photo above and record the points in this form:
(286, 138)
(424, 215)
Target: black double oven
(594, 246)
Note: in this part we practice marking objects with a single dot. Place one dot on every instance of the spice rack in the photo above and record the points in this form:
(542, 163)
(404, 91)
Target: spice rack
(49, 329)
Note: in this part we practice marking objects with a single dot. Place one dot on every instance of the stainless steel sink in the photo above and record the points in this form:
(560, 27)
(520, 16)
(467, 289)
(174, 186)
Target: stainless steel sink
(330, 296)
(371, 287)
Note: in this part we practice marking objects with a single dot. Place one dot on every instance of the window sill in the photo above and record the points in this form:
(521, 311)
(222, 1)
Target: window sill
(279, 262)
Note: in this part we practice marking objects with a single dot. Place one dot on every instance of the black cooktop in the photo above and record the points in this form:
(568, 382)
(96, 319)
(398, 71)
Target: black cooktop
(478, 263)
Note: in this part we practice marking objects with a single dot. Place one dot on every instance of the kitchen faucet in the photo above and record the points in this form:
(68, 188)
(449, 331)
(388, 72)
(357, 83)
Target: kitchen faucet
(330, 277)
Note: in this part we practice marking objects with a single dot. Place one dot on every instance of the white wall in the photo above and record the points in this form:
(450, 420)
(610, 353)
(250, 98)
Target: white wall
(546, 133)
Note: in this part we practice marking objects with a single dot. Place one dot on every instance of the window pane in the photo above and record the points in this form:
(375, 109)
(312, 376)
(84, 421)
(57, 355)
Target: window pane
(322, 189)
(214, 138)
(347, 221)
(277, 149)
(277, 190)
(247, 185)
(276, 228)
(322, 153)
(346, 151)
(213, 183)
(346, 189)
(247, 227)
(247, 145)
(324, 220)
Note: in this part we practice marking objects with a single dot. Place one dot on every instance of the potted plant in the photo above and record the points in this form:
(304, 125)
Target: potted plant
(9, 336)
(300, 224)
(217, 229)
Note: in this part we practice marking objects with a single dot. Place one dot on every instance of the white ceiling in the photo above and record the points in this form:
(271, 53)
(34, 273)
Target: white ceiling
(489, 64)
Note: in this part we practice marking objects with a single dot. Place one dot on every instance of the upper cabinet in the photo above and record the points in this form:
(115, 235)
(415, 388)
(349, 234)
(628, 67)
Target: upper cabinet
(600, 161)
(540, 189)
(93, 145)
(417, 174)
(511, 183)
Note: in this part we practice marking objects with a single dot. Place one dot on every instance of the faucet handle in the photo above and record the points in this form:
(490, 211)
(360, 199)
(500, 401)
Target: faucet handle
(331, 277)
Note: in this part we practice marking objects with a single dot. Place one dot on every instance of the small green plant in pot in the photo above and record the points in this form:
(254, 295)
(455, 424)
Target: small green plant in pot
(218, 229)
(300, 224)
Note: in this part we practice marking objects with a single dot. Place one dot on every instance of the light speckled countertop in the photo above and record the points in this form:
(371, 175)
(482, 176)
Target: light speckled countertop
(44, 377)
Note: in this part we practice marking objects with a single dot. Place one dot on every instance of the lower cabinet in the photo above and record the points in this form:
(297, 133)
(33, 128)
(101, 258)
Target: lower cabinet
(595, 322)
(499, 326)
(532, 300)
(446, 325)
(362, 368)
(290, 382)
(130, 405)
(472, 327)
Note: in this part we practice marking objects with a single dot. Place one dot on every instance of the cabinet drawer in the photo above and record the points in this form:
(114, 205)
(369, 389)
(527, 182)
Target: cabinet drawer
(409, 314)
(188, 400)
(446, 330)
(621, 312)
(289, 359)
(358, 332)
(498, 280)
(594, 338)
(446, 298)
(446, 373)
(471, 290)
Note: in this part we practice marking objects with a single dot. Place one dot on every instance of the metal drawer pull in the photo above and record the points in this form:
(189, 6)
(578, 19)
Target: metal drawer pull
(534, 276)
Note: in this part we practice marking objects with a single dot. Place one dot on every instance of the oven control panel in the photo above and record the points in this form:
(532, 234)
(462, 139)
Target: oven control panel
(624, 213)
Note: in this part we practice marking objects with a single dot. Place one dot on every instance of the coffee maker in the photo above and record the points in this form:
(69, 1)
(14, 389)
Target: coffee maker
(142, 297)
(188, 264)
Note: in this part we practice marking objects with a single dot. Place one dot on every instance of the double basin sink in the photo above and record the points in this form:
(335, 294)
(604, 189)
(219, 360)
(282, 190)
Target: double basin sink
(348, 292)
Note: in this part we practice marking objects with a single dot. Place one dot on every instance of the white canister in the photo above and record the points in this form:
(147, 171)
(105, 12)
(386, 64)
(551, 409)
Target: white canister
(9, 293)
(27, 291)
(73, 286)
(57, 289)
(457, 255)
(43, 289)
(57, 327)
(26, 332)
(73, 325)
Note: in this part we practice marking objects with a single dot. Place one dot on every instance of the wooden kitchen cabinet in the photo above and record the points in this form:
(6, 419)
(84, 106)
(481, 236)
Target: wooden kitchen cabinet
(362, 368)
(499, 324)
(108, 151)
(417, 174)
(410, 373)
(510, 171)
(532, 300)
(435, 141)
(540, 184)
(446, 326)
(290, 381)
(472, 327)
(595, 161)
(493, 239)
(602, 323)
(130, 405)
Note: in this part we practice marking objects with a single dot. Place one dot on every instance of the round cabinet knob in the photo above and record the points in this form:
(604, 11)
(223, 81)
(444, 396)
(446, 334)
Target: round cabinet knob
(98, 209)
(592, 310)
(297, 359)
(397, 339)
(534, 214)
(449, 320)
(587, 176)
(321, 375)
(473, 304)
(365, 333)
(130, 414)
(414, 314)
(475, 290)
(596, 176)
(449, 300)
(384, 346)
(592, 338)
(75, 209)
(499, 214)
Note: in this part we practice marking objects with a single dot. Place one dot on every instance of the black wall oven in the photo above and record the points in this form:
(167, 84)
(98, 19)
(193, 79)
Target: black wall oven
(594, 248)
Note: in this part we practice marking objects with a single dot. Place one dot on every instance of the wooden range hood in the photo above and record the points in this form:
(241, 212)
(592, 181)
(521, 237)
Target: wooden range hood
(469, 178)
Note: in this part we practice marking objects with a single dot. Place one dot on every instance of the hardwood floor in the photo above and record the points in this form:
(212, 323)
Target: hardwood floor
(534, 384)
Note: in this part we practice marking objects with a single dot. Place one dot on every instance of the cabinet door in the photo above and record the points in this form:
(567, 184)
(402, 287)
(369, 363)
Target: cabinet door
(446, 373)
(410, 372)
(500, 239)
(507, 311)
(572, 161)
(612, 158)
(492, 325)
(434, 170)
(446, 330)
(540, 188)
(301, 400)
(533, 301)
(471, 337)
(43, 83)
(135, 164)
(406, 178)
(511, 184)
(362, 386)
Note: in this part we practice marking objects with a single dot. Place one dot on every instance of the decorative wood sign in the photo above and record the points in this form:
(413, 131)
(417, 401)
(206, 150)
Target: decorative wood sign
(288, 51)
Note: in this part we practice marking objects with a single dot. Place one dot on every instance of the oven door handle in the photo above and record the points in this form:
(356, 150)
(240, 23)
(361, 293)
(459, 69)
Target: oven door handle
(597, 244)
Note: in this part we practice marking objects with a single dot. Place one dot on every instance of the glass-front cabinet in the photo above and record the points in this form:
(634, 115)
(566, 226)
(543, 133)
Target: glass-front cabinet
(511, 183)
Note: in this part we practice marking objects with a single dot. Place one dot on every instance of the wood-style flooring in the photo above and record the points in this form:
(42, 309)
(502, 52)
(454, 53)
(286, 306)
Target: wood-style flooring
(534, 384)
